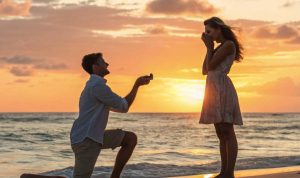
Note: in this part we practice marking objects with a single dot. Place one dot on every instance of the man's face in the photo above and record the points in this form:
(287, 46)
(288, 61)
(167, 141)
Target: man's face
(101, 67)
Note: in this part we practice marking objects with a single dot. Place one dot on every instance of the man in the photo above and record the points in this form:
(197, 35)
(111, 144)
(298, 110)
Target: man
(88, 134)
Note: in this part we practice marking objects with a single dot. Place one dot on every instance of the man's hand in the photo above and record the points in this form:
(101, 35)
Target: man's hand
(144, 80)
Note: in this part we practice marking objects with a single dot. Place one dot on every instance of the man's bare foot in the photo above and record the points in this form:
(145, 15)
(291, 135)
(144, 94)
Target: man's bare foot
(38, 176)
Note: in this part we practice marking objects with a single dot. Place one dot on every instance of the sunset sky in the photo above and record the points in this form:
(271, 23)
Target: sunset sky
(43, 41)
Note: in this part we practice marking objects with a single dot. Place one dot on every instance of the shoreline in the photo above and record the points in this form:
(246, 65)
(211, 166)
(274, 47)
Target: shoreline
(281, 172)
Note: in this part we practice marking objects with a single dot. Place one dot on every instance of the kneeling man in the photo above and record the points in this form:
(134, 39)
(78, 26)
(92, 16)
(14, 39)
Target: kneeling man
(88, 134)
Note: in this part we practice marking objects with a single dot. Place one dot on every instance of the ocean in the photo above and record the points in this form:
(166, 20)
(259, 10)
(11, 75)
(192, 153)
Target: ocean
(169, 144)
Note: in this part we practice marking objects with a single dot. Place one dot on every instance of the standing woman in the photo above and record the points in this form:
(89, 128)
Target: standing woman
(221, 106)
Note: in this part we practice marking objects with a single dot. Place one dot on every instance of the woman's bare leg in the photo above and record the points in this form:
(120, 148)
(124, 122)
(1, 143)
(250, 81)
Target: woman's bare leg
(231, 147)
(223, 151)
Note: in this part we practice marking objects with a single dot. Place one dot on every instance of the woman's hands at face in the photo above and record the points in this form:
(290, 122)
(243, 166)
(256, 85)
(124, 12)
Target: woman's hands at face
(208, 41)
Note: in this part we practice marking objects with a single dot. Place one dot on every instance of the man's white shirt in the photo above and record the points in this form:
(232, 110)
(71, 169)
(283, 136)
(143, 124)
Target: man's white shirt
(96, 100)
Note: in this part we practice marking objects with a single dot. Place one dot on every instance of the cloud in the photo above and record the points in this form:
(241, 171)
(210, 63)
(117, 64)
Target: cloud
(248, 23)
(35, 63)
(67, 35)
(194, 70)
(285, 31)
(280, 32)
(99, 17)
(281, 87)
(21, 81)
(295, 40)
(21, 72)
(18, 60)
(50, 66)
(158, 29)
(69, 25)
(290, 3)
(289, 32)
(127, 4)
(24, 66)
(10, 8)
(287, 4)
(175, 7)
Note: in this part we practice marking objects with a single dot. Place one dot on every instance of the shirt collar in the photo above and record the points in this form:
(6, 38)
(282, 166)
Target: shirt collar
(97, 77)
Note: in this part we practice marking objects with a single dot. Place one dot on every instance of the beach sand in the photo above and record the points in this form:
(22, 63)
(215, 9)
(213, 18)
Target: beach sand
(283, 172)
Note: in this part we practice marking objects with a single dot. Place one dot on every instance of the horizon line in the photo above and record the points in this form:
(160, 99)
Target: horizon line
(290, 112)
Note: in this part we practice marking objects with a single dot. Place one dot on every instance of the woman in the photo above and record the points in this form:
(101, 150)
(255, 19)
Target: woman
(220, 105)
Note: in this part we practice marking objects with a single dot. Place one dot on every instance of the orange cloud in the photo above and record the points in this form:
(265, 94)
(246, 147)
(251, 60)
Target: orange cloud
(295, 40)
(279, 95)
(196, 7)
(281, 32)
(21, 81)
(289, 3)
(156, 30)
(46, 66)
(24, 66)
(284, 86)
(21, 72)
(18, 60)
(11, 8)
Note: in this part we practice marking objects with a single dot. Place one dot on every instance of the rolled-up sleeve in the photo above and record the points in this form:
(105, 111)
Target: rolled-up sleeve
(104, 94)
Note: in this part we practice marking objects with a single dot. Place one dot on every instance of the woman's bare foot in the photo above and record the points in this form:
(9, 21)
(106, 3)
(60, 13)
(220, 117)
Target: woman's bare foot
(221, 175)
(228, 176)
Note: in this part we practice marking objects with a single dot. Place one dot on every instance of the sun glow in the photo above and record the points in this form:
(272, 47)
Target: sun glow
(189, 92)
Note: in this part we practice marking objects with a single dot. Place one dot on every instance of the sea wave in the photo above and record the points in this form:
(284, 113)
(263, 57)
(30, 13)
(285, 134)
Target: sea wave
(147, 170)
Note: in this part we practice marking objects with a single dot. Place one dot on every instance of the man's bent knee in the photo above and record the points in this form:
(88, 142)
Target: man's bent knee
(130, 139)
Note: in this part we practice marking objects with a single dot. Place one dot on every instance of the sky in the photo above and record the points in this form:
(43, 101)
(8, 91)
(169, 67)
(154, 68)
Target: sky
(43, 42)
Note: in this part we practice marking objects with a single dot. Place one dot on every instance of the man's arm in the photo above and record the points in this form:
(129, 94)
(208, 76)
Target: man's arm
(104, 94)
(144, 80)
(132, 94)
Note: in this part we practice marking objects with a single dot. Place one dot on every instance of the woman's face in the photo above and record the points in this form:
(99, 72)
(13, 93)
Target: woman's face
(214, 33)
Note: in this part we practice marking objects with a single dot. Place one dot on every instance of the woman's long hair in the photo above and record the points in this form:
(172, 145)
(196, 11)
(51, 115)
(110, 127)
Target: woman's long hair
(228, 34)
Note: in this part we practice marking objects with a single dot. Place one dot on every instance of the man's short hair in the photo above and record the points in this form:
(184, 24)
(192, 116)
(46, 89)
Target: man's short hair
(88, 61)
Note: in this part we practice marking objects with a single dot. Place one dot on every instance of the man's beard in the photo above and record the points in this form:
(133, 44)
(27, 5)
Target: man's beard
(106, 72)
